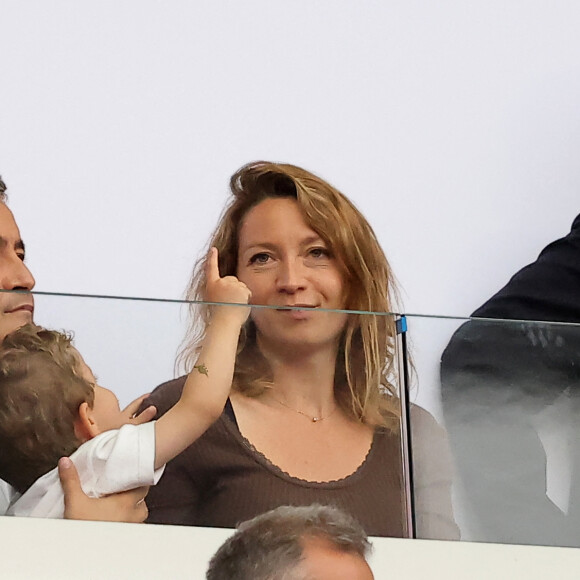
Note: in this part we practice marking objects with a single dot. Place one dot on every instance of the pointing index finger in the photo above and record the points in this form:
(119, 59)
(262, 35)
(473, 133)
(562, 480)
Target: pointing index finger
(212, 271)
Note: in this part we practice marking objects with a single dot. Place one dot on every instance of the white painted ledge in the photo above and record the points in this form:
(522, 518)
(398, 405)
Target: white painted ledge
(47, 549)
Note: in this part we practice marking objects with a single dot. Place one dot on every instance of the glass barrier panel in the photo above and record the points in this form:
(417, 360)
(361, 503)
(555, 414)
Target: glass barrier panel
(506, 394)
(288, 433)
(131, 344)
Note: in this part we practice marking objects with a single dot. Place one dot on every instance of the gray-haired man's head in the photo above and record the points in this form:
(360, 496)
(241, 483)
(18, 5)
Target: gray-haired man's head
(295, 543)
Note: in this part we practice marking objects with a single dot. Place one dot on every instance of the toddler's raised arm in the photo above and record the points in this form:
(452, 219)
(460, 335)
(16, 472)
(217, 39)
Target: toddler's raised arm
(208, 385)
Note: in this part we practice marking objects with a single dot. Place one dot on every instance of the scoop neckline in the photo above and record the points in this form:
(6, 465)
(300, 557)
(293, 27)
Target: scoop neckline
(263, 460)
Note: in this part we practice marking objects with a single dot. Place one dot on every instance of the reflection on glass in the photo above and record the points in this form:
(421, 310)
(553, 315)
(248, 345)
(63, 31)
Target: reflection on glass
(506, 393)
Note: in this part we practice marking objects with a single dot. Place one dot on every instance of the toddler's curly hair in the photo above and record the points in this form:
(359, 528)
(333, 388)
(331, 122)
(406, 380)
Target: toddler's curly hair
(41, 389)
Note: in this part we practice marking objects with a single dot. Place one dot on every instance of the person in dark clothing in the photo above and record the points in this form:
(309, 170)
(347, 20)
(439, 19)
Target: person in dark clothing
(497, 379)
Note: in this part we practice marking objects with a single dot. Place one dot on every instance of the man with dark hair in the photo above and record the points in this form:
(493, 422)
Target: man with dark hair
(295, 543)
(16, 308)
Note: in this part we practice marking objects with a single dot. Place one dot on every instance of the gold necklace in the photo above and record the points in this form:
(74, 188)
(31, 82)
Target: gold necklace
(313, 419)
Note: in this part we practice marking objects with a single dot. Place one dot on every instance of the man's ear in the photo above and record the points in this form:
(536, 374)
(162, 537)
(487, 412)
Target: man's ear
(85, 425)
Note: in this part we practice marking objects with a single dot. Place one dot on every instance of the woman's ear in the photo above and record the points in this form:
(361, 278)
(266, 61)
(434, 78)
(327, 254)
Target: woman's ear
(85, 425)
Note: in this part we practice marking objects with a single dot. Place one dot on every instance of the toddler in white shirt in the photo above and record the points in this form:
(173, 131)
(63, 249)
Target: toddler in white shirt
(51, 406)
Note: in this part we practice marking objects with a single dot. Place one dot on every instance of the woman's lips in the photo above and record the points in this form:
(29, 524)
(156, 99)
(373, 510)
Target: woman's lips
(297, 311)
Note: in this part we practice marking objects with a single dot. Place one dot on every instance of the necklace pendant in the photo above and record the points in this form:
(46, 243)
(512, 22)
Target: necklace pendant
(315, 419)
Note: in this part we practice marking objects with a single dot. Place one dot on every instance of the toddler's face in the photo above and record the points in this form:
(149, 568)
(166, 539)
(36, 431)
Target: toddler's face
(106, 410)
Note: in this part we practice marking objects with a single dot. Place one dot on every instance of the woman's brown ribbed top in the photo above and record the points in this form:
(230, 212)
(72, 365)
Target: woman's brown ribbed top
(221, 480)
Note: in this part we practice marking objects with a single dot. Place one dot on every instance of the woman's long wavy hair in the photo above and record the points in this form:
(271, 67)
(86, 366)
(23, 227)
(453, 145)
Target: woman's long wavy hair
(364, 366)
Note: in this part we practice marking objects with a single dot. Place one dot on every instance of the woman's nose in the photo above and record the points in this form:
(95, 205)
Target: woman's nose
(291, 276)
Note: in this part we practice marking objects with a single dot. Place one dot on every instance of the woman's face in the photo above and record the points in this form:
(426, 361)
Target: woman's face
(286, 263)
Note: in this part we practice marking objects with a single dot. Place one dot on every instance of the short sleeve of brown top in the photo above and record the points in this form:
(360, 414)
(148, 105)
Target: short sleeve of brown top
(221, 480)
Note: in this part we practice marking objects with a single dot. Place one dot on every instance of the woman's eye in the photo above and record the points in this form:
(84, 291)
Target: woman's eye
(319, 253)
(260, 258)
(21, 256)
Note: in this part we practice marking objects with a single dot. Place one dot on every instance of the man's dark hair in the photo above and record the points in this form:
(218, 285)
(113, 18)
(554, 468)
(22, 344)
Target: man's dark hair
(3, 196)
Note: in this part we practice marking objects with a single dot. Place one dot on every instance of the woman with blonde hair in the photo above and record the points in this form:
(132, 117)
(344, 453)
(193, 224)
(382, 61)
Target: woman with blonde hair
(313, 415)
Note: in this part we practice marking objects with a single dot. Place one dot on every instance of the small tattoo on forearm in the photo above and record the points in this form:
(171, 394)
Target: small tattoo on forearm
(201, 368)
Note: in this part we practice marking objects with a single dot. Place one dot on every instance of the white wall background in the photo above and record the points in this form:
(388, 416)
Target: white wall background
(454, 125)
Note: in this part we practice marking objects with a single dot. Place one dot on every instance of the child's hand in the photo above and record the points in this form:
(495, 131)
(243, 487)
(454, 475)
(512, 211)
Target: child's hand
(227, 289)
(131, 415)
